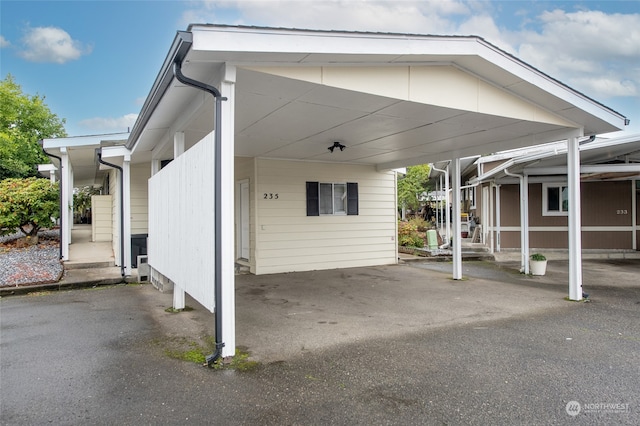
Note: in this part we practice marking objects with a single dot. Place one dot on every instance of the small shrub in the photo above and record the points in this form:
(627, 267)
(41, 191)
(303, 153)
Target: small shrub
(420, 224)
(408, 235)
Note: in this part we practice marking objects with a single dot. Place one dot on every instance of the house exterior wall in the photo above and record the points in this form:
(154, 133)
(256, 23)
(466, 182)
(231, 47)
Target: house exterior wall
(285, 239)
(101, 217)
(606, 215)
(140, 174)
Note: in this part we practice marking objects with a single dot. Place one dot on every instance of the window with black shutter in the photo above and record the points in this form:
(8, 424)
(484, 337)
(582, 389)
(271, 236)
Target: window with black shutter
(332, 198)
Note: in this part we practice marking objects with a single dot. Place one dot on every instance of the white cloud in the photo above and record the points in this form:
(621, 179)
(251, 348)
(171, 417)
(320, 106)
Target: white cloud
(592, 51)
(4, 42)
(108, 124)
(51, 44)
(425, 17)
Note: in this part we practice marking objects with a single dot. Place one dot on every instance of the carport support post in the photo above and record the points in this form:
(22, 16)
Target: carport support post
(575, 225)
(178, 150)
(66, 191)
(126, 212)
(456, 238)
(227, 89)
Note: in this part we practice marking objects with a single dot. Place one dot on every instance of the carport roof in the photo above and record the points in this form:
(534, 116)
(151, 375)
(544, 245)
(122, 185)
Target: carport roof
(297, 91)
(601, 159)
(82, 155)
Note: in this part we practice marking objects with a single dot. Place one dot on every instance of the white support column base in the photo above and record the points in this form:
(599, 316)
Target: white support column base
(178, 298)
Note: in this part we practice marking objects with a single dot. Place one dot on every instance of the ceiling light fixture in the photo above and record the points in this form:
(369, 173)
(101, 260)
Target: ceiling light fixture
(336, 145)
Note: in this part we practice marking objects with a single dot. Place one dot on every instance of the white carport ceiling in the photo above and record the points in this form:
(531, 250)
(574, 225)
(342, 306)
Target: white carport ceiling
(281, 117)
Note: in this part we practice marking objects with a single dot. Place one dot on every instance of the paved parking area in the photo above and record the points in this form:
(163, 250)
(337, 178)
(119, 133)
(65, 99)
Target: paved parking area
(388, 345)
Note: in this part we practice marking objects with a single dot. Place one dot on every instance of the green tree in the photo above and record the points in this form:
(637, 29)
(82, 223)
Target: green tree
(24, 120)
(413, 185)
(28, 204)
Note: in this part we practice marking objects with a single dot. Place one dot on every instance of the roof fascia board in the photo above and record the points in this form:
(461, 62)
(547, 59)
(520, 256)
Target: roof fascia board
(593, 168)
(115, 151)
(79, 141)
(545, 82)
(179, 49)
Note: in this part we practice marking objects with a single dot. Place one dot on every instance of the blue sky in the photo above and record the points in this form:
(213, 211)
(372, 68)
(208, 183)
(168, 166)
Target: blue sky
(95, 61)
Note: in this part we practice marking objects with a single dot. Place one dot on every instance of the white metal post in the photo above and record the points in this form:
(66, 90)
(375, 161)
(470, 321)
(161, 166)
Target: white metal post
(227, 89)
(575, 223)
(456, 238)
(66, 187)
(491, 221)
(634, 215)
(126, 212)
(447, 210)
(498, 218)
(178, 150)
(525, 222)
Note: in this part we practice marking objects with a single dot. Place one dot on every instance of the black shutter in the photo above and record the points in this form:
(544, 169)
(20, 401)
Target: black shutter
(313, 200)
(352, 198)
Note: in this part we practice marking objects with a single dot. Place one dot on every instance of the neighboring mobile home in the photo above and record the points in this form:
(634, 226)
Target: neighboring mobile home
(274, 148)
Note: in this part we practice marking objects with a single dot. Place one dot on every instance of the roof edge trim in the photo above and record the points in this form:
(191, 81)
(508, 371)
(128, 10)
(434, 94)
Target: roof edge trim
(181, 45)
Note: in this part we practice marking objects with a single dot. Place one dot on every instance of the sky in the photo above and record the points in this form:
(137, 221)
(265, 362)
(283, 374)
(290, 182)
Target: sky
(95, 61)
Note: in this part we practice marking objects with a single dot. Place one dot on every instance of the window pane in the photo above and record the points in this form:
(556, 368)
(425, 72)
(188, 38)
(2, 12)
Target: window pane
(339, 198)
(565, 199)
(326, 205)
(553, 199)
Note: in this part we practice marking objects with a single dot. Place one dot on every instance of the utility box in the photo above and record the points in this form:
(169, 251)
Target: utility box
(432, 239)
(143, 268)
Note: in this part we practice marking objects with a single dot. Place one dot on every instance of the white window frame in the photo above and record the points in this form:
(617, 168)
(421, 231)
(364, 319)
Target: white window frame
(343, 212)
(545, 199)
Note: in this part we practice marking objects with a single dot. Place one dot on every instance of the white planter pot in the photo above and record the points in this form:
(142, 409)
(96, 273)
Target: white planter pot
(538, 267)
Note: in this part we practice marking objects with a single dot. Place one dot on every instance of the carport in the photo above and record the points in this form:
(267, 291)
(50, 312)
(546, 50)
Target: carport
(392, 100)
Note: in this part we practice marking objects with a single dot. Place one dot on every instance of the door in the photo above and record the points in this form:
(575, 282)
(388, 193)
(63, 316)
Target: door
(243, 227)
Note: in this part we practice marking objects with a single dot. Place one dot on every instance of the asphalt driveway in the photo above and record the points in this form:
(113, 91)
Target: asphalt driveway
(389, 345)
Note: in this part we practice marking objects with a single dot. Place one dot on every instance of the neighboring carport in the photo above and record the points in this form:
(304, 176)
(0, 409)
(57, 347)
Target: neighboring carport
(603, 160)
(393, 100)
(77, 166)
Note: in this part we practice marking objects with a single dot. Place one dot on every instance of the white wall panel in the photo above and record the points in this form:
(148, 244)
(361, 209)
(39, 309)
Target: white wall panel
(181, 216)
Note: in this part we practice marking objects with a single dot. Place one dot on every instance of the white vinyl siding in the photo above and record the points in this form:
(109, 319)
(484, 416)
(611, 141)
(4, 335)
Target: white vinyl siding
(114, 191)
(101, 217)
(140, 174)
(288, 240)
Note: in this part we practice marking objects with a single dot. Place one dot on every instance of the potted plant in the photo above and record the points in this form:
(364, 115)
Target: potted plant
(538, 264)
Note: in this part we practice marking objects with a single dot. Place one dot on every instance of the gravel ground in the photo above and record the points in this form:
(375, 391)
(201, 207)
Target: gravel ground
(39, 264)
